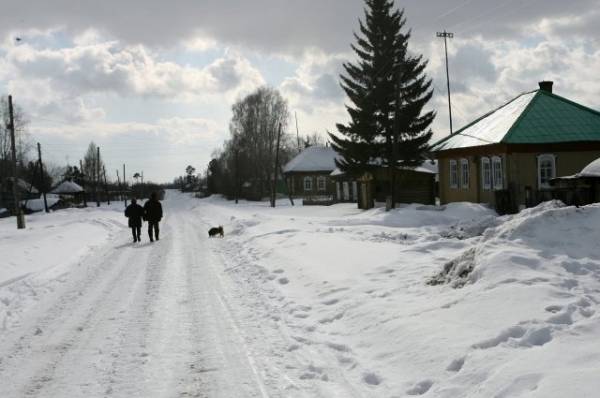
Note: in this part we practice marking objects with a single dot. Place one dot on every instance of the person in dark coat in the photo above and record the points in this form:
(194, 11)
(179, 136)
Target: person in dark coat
(135, 213)
(153, 214)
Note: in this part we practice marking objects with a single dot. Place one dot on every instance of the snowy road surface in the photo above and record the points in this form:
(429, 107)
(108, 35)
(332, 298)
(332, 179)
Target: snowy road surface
(150, 320)
(302, 302)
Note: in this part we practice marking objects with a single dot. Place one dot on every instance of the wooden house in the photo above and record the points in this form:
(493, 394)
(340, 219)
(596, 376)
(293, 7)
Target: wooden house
(508, 156)
(308, 175)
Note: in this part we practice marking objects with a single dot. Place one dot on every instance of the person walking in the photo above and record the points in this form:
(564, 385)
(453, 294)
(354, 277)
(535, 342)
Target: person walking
(135, 213)
(153, 214)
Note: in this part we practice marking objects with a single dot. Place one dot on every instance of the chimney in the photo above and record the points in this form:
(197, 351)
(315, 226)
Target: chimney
(546, 86)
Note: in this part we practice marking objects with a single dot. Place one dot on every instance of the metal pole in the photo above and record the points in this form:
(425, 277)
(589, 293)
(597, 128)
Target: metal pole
(42, 176)
(18, 210)
(447, 35)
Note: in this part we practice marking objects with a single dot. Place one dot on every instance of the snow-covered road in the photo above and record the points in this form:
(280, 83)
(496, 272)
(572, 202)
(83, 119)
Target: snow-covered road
(302, 302)
(147, 320)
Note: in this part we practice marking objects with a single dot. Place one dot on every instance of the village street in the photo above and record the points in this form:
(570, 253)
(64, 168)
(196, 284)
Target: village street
(302, 301)
(146, 320)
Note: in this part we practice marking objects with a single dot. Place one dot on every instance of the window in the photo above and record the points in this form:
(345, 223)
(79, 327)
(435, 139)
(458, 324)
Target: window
(308, 183)
(486, 174)
(321, 183)
(497, 173)
(339, 190)
(546, 170)
(464, 173)
(453, 174)
(354, 191)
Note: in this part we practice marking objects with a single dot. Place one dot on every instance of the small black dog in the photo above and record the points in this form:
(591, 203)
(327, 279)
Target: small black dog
(215, 231)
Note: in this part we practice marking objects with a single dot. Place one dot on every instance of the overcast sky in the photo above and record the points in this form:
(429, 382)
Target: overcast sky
(152, 81)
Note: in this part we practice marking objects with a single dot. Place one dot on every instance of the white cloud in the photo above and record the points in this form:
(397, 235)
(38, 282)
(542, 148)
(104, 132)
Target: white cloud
(129, 71)
(176, 130)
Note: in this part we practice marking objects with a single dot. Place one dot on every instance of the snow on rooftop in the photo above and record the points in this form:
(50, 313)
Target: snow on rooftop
(67, 187)
(24, 185)
(314, 158)
(491, 128)
(38, 204)
(591, 170)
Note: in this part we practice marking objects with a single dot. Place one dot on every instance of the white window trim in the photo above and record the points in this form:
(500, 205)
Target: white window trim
(308, 183)
(498, 184)
(541, 158)
(453, 181)
(322, 180)
(487, 185)
(464, 184)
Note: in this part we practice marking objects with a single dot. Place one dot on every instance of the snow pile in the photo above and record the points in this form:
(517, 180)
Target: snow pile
(349, 289)
(49, 246)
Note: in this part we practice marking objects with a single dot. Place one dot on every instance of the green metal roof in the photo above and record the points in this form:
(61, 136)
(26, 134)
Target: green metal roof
(536, 117)
(551, 118)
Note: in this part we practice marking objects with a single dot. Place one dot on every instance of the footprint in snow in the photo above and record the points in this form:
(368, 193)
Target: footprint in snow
(371, 379)
(283, 281)
(456, 365)
(420, 388)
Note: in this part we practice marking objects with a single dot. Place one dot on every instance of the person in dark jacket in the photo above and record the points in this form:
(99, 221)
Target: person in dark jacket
(153, 214)
(135, 213)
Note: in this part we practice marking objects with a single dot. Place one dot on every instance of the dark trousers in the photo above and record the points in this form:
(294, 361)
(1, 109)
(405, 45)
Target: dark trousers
(137, 233)
(153, 225)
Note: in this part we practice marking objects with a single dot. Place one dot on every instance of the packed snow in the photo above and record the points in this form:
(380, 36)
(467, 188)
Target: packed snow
(432, 301)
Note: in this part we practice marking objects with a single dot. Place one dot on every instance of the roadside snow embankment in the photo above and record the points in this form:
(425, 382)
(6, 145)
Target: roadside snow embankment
(349, 289)
(36, 257)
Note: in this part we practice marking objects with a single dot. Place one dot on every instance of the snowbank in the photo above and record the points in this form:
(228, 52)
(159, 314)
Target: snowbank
(349, 289)
(47, 248)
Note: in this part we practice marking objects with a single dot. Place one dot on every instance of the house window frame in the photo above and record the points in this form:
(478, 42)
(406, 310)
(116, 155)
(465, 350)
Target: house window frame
(307, 183)
(453, 168)
(540, 159)
(486, 178)
(321, 180)
(497, 173)
(465, 173)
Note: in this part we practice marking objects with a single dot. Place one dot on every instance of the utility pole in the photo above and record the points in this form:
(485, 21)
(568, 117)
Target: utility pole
(446, 36)
(83, 182)
(124, 185)
(13, 147)
(106, 186)
(297, 131)
(97, 176)
(275, 170)
(119, 184)
(237, 174)
(42, 176)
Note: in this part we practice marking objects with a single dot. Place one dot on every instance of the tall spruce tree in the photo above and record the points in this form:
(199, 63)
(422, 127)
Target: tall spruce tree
(388, 90)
